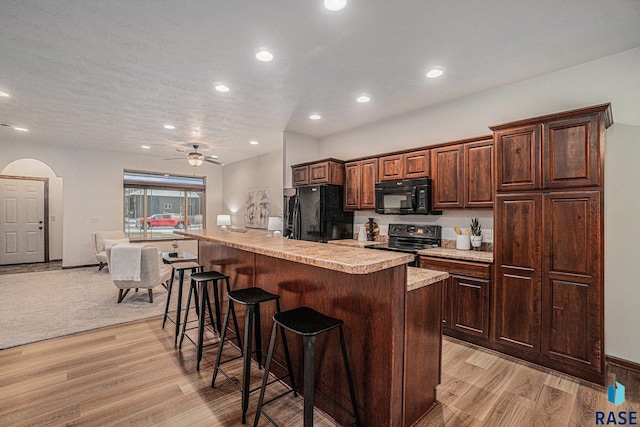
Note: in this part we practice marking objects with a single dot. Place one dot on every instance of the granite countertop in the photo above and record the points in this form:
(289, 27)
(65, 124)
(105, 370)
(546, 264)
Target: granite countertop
(479, 256)
(355, 243)
(420, 277)
(352, 260)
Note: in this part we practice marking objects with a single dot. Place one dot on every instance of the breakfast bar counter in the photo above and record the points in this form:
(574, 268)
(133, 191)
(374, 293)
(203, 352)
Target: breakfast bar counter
(392, 317)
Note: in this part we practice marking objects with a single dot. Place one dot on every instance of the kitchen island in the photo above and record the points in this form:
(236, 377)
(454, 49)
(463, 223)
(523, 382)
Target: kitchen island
(391, 317)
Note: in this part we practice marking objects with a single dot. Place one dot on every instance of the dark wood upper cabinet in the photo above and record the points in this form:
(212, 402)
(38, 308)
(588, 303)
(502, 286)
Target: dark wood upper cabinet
(359, 189)
(300, 175)
(416, 164)
(328, 171)
(447, 171)
(562, 150)
(571, 150)
(478, 174)
(518, 158)
(391, 167)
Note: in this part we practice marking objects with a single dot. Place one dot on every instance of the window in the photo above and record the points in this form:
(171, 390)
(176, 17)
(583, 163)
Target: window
(156, 204)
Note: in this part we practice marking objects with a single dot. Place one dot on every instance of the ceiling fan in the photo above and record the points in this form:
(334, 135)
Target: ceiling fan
(196, 159)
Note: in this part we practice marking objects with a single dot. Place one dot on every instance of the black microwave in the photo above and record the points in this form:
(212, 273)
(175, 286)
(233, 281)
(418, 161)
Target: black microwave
(404, 197)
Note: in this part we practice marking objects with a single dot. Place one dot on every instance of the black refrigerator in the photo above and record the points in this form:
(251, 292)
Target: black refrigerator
(315, 213)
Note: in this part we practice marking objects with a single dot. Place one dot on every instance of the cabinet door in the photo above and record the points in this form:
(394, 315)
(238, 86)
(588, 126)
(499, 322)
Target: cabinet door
(368, 184)
(470, 305)
(319, 173)
(572, 282)
(300, 175)
(391, 167)
(518, 158)
(352, 186)
(518, 276)
(478, 174)
(448, 173)
(416, 164)
(571, 150)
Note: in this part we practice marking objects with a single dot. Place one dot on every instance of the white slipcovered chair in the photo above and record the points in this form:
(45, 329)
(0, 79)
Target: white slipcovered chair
(152, 273)
(111, 237)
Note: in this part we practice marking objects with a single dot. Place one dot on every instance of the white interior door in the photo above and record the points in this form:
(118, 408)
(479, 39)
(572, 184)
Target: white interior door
(22, 228)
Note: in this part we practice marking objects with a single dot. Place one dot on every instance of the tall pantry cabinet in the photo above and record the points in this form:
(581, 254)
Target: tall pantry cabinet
(548, 304)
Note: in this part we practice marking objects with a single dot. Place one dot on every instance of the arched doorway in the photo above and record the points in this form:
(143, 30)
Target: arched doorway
(26, 178)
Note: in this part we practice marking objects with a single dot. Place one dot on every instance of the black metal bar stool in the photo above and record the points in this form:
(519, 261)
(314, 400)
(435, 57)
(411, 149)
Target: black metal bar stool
(180, 268)
(309, 323)
(251, 298)
(203, 305)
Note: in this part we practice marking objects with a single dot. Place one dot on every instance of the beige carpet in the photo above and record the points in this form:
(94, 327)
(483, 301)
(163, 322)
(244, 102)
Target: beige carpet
(39, 306)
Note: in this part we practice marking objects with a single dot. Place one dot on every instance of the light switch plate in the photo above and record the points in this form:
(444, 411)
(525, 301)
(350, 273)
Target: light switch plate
(487, 234)
(93, 220)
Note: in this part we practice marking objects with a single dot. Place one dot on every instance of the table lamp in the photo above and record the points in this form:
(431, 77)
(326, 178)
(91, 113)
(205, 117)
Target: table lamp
(275, 225)
(223, 221)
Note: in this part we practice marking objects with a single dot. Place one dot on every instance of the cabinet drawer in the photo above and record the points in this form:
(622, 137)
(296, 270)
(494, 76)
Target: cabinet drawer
(465, 268)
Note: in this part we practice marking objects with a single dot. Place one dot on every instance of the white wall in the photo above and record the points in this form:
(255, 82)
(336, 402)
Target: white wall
(621, 242)
(611, 79)
(297, 148)
(256, 173)
(93, 188)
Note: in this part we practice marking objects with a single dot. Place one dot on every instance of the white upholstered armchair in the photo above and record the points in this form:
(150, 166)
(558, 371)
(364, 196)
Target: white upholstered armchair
(152, 273)
(99, 238)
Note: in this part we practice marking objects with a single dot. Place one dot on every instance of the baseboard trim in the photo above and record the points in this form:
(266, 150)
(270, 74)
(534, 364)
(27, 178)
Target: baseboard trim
(627, 364)
(69, 267)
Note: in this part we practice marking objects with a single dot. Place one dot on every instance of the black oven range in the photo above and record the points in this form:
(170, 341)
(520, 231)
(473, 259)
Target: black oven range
(410, 238)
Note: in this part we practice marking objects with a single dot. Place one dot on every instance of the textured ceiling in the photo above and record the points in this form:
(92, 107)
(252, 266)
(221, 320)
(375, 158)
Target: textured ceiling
(108, 74)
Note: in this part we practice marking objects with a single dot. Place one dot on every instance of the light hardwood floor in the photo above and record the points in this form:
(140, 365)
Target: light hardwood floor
(131, 374)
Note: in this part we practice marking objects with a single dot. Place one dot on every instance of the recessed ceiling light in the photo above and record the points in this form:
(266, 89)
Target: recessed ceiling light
(315, 117)
(335, 4)
(21, 129)
(221, 88)
(264, 55)
(363, 98)
(435, 73)
(254, 142)
(4, 94)
(146, 147)
(169, 127)
(195, 133)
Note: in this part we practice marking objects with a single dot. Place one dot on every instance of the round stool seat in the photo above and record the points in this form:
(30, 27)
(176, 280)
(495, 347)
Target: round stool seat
(250, 296)
(306, 321)
(187, 265)
(208, 275)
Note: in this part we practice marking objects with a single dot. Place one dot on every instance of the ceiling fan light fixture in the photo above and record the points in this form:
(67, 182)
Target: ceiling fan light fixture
(195, 159)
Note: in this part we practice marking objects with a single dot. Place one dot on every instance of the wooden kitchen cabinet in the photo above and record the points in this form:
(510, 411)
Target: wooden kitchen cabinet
(328, 171)
(562, 150)
(518, 260)
(572, 292)
(359, 189)
(447, 169)
(409, 165)
(300, 175)
(391, 168)
(466, 296)
(478, 174)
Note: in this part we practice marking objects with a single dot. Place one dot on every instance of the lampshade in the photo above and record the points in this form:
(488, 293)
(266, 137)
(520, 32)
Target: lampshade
(275, 225)
(195, 159)
(223, 221)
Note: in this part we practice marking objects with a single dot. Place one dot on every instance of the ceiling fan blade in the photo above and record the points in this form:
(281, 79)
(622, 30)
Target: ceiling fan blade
(175, 158)
(215, 162)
